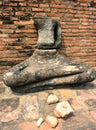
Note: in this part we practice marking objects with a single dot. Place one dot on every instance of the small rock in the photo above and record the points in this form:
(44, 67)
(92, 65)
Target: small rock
(51, 121)
(52, 99)
(64, 109)
(40, 121)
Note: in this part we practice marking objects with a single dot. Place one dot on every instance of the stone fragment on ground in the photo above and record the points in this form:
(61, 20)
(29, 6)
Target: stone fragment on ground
(10, 117)
(51, 121)
(8, 105)
(31, 108)
(40, 121)
(63, 109)
(52, 98)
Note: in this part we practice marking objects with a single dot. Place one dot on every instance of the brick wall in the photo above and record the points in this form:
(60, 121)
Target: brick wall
(18, 36)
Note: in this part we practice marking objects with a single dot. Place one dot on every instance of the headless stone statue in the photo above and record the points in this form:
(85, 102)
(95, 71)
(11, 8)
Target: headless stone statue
(46, 67)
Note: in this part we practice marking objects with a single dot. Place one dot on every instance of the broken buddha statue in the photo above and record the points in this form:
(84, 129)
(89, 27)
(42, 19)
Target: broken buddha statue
(46, 67)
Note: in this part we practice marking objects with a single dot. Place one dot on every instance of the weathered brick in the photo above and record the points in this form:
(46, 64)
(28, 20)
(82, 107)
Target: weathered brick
(40, 14)
(19, 13)
(57, 6)
(55, 15)
(37, 9)
(1, 22)
(44, 5)
(24, 22)
(11, 4)
(25, 31)
(3, 35)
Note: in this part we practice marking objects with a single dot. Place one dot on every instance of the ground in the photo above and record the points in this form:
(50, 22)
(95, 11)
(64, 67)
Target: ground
(21, 112)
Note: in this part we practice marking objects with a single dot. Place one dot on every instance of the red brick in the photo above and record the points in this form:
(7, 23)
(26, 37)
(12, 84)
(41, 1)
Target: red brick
(9, 40)
(3, 35)
(24, 22)
(56, 1)
(25, 31)
(55, 15)
(16, 59)
(18, 47)
(54, 10)
(1, 22)
(18, 0)
(41, 14)
(37, 9)
(9, 31)
(83, 4)
(33, 5)
(0, 2)
(11, 4)
(44, 5)
(20, 13)
(47, 10)
(57, 6)
(8, 27)
(22, 4)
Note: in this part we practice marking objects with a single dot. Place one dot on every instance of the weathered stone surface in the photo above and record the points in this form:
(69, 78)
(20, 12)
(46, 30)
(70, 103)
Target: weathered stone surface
(84, 118)
(93, 114)
(82, 121)
(64, 109)
(85, 95)
(31, 108)
(21, 126)
(78, 105)
(8, 105)
(91, 103)
(2, 90)
(46, 67)
(52, 99)
(51, 121)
